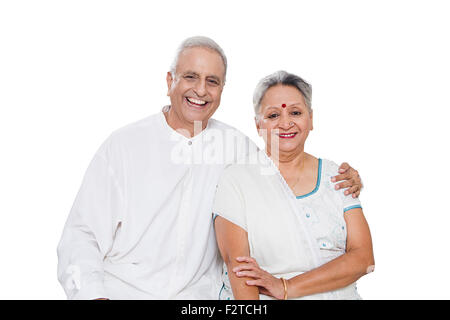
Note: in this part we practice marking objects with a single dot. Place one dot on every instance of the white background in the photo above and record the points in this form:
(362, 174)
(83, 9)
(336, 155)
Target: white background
(71, 72)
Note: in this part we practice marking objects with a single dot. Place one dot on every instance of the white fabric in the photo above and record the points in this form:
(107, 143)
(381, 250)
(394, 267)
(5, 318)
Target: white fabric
(140, 226)
(287, 235)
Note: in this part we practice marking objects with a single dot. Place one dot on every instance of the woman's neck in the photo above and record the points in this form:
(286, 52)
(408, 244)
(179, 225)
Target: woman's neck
(290, 161)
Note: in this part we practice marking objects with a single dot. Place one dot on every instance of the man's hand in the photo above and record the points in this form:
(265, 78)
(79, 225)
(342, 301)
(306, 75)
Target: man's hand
(351, 178)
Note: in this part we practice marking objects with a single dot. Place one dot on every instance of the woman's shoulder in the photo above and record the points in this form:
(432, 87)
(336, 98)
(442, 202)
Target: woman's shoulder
(329, 167)
(329, 170)
(252, 165)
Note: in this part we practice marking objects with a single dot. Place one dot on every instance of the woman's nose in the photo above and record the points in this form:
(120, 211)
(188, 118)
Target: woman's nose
(285, 122)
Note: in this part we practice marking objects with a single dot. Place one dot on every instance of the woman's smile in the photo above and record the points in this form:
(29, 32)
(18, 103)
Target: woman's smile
(288, 135)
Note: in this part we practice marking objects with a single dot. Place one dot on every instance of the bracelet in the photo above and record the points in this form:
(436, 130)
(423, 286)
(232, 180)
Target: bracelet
(285, 288)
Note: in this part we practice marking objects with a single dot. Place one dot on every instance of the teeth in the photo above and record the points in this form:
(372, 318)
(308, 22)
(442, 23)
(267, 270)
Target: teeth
(199, 102)
(287, 135)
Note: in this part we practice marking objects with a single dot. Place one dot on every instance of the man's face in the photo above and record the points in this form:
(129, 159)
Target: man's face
(196, 88)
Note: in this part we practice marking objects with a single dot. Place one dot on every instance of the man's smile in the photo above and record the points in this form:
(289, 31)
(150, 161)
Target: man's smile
(196, 103)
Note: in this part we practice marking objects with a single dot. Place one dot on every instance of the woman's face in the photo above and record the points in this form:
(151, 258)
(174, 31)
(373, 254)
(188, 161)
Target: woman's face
(284, 119)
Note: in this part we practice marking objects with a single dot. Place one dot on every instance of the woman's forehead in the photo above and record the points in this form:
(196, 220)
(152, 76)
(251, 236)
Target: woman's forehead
(281, 94)
(283, 105)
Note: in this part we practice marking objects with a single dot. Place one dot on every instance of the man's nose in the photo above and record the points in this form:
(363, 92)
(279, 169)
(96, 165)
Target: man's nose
(200, 88)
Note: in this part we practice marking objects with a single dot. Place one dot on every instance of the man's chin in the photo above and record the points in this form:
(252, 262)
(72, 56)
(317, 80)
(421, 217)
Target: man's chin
(193, 114)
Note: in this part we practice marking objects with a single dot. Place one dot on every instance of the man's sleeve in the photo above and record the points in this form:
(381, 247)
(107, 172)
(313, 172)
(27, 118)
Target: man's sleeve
(228, 201)
(89, 232)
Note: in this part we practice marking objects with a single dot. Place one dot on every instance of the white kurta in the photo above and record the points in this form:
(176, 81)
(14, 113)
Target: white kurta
(287, 235)
(140, 226)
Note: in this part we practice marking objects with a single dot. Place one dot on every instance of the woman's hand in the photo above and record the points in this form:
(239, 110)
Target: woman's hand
(352, 180)
(266, 283)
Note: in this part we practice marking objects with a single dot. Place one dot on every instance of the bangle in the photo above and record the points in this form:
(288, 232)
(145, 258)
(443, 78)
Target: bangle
(285, 288)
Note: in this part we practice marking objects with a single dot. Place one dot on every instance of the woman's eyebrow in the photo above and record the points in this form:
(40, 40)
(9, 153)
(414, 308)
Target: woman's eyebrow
(271, 107)
(296, 104)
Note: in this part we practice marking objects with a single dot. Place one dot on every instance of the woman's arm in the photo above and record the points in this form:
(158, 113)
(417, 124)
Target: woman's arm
(338, 273)
(233, 242)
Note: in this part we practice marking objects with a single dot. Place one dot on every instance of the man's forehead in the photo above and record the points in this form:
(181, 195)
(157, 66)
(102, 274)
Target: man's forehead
(201, 60)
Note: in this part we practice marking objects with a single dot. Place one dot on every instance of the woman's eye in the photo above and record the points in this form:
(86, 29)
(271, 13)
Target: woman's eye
(273, 115)
(296, 113)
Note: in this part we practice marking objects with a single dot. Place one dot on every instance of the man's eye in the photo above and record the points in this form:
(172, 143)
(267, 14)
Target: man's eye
(213, 82)
(189, 77)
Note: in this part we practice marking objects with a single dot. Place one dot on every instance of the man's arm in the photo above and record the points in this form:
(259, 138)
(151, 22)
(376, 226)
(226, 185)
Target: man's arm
(233, 242)
(89, 232)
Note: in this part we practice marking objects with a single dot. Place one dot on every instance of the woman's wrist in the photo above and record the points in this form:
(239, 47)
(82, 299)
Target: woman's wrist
(285, 288)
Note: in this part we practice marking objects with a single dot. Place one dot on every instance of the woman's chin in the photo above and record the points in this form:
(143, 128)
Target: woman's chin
(287, 147)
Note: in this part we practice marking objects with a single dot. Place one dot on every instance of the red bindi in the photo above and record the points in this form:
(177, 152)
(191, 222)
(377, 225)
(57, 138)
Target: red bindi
(283, 105)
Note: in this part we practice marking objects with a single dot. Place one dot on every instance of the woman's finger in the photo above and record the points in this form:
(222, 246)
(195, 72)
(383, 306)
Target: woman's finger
(246, 266)
(250, 274)
(257, 282)
(246, 259)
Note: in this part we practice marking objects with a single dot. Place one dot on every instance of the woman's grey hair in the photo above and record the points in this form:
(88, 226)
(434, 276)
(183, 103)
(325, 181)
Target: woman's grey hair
(283, 78)
(198, 41)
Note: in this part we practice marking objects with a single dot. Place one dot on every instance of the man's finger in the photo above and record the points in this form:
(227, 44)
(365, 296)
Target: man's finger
(344, 167)
(343, 185)
(340, 177)
(351, 190)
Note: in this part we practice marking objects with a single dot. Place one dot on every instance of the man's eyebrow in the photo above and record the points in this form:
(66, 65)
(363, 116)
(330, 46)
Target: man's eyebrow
(190, 72)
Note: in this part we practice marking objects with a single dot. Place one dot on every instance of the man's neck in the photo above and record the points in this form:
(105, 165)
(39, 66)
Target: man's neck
(186, 128)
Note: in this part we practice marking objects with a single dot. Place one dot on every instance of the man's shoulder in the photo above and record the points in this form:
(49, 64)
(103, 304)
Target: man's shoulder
(147, 123)
(131, 134)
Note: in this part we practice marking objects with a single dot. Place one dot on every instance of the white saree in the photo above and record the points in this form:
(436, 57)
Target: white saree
(287, 235)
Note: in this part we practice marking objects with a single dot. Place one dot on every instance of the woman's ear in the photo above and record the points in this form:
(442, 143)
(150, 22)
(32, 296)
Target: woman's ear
(257, 124)
(311, 117)
(169, 80)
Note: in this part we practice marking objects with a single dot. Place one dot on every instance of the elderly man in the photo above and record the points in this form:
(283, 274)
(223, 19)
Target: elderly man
(141, 226)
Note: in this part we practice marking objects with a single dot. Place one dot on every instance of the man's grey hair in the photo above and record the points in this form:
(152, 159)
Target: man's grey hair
(283, 78)
(202, 42)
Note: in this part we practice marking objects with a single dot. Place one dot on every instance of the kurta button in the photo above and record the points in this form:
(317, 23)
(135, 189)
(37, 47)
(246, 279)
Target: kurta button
(308, 215)
(189, 142)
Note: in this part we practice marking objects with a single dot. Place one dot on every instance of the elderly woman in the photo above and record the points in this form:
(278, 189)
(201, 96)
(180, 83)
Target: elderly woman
(287, 233)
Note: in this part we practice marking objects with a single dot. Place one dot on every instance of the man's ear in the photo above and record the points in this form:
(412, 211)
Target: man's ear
(169, 80)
